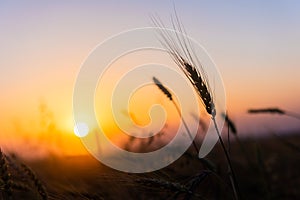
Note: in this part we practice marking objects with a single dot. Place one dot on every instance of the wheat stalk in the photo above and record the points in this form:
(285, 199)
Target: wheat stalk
(232, 127)
(206, 163)
(274, 111)
(183, 57)
(267, 110)
(195, 182)
(162, 88)
(175, 187)
(230, 123)
(37, 183)
(169, 95)
(181, 51)
(5, 175)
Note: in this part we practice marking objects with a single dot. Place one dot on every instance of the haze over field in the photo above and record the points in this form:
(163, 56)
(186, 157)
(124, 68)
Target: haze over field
(255, 45)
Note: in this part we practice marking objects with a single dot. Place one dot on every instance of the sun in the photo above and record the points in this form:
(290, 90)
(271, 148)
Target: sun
(81, 129)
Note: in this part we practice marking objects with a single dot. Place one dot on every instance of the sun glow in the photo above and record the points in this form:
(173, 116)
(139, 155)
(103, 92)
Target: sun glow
(81, 129)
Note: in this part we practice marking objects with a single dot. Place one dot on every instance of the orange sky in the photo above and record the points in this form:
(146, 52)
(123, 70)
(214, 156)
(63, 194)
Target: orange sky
(43, 46)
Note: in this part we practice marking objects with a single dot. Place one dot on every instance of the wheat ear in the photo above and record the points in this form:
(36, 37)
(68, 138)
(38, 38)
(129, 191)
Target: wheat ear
(5, 175)
(37, 183)
(274, 111)
(169, 95)
(181, 51)
(178, 49)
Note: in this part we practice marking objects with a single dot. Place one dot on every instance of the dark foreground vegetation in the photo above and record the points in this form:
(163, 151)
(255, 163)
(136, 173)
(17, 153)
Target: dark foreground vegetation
(266, 168)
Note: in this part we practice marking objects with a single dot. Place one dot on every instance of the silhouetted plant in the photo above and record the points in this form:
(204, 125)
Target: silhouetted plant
(274, 111)
(180, 50)
(5, 176)
(169, 95)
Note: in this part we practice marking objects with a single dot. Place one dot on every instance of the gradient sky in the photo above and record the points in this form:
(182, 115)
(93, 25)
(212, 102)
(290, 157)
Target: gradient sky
(255, 45)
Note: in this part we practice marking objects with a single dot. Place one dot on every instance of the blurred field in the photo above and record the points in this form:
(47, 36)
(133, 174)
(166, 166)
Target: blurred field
(267, 168)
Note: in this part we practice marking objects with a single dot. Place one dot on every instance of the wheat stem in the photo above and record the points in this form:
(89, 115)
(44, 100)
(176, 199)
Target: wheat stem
(232, 173)
(186, 127)
(169, 95)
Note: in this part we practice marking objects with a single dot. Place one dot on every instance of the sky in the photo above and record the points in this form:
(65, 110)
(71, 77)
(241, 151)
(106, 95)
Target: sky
(254, 44)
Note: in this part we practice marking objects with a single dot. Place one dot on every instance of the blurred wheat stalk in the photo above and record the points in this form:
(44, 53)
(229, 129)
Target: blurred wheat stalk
(5, 177)
(274, 111)
(9, 184)
(169, 95)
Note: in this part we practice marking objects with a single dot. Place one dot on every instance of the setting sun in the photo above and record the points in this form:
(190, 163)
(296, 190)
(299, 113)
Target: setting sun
(81, 129)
